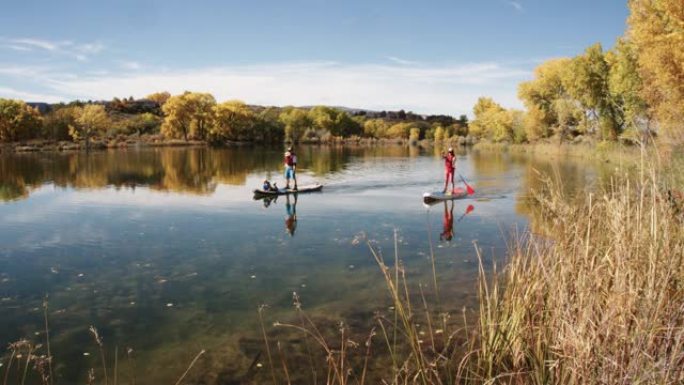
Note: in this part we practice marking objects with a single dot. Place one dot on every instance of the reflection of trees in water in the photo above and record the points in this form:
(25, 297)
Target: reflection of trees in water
(492, 164)
(546, 178)
(193, 171)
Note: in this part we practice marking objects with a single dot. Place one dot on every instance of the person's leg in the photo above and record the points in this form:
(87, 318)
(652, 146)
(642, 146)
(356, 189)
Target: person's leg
(449, 176)
(453, 186)
(287, 178)
(446, 181)
(294, 178)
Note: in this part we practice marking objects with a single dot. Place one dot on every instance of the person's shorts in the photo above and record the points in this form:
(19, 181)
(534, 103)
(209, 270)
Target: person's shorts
(449, 172)
(289, 173)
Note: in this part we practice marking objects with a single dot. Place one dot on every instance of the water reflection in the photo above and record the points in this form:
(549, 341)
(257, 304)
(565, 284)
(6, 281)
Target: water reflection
(291, 211)
(192, 171)
(126, 233)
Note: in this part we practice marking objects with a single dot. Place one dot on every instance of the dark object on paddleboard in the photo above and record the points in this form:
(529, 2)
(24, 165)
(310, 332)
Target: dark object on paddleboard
(284, 191)
(437, 196)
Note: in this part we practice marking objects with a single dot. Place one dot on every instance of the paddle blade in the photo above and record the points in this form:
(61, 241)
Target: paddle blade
(470, 209)
(470, 190)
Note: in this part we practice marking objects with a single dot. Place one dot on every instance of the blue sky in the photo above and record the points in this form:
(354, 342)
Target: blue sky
(424, 56)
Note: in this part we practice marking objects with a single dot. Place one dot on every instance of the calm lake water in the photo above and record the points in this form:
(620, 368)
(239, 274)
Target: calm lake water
(165, 251)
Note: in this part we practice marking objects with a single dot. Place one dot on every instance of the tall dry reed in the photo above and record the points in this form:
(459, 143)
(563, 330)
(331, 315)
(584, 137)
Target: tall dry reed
(600, 302)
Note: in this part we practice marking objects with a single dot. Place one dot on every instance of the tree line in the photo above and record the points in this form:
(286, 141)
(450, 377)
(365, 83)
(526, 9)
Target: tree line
(198, 116)
(631, 92)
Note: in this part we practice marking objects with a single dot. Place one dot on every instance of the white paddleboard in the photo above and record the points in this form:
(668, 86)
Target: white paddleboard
(434, 196)
(283, 191)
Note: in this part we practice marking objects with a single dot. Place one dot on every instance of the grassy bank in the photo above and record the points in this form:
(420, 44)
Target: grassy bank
(597, 300)
(600, 151)
(599, 303)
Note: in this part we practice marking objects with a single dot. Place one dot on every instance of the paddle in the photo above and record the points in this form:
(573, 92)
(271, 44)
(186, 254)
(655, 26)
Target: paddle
(469, 210)
(471, 190)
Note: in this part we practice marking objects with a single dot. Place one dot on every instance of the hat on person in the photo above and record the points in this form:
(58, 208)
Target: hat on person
(451, 149)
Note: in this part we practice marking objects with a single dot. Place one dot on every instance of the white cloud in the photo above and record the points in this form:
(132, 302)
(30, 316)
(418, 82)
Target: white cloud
(518, 6)
(37, 43)
(19, 48)
(400, 60)
(130, 65)
(21, 71)
(451, 89)
(80, 52)
(10, 93)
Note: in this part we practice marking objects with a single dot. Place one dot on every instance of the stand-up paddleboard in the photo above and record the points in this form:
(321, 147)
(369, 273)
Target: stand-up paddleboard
(457, 193)
(284, 191)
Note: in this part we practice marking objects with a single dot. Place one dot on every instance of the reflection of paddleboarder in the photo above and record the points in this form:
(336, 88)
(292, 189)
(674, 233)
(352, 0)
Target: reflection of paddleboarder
(448, 222)
(291, 219)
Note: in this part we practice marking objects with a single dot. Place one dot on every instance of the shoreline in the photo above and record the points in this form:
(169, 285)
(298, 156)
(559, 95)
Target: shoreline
(38, 145)
(600, 150)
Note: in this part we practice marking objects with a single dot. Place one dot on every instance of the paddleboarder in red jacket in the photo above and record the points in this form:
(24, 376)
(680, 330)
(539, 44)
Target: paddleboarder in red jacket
(449, 169)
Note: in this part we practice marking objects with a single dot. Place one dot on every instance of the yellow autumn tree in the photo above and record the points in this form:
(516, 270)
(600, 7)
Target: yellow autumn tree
(90, 120)
(656, 28)
(159, 97)
(188, 115)
(18, 121)
(234, 121)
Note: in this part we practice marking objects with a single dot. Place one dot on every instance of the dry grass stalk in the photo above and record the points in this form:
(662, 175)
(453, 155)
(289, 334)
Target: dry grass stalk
(602, 302)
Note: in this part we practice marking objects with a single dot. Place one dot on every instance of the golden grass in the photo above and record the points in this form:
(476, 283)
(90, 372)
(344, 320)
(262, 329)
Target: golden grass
(601, 302)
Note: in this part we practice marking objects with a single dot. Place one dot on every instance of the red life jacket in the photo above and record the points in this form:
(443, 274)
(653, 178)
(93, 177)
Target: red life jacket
(449, 161)
(289, 159)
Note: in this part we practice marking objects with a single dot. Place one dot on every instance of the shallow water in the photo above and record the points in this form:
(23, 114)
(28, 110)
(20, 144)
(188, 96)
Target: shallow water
(166, 252)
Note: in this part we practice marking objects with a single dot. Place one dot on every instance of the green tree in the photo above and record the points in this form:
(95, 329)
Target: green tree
(625, 84)
(57, 122)
(587, 82)
(376, 128)
(569, 115)
(268, 128)
(90, 120)
(18, 121)
(296, 121)
(399, 131)
(145, 123)
(334, 121)
(234, 121)
(489, 120)
(517, 119)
